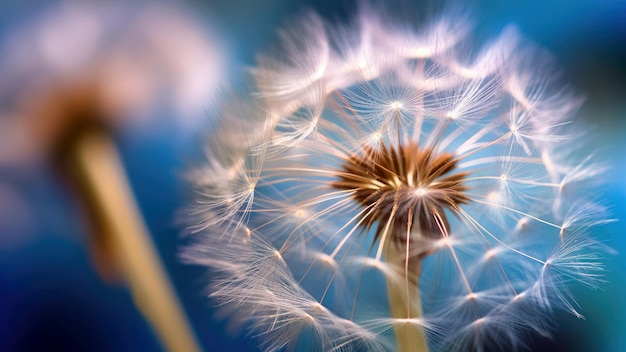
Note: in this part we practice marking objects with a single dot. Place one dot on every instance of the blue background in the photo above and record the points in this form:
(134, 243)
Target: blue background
(52, 299)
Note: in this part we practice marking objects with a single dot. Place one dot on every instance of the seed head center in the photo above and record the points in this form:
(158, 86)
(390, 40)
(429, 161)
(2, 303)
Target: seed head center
(404, 185)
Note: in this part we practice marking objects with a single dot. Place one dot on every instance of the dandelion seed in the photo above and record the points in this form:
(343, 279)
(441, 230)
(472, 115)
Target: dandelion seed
(415, 199)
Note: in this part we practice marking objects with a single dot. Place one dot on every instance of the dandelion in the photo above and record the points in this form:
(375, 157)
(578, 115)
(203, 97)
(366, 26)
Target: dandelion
(381, 188)
(73, 77)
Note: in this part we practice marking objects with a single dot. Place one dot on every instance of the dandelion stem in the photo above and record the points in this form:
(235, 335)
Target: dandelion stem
(404, 298)
(96, 168)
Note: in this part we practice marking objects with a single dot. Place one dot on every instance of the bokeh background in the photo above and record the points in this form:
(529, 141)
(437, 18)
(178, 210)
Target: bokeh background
(51, 296)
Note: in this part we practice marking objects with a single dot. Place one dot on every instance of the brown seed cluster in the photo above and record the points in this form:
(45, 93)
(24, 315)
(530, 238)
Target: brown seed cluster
(403, 186)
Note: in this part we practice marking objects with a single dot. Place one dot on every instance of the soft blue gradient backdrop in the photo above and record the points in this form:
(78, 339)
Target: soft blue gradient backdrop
(51, 298)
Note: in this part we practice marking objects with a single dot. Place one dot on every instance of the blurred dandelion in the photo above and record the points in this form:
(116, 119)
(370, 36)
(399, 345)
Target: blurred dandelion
(382, 189)
(131, 60)
(72, 79)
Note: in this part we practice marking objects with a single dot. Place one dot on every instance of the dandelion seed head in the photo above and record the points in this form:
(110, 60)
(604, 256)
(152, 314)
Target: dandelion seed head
(383, 156)
(378, 178)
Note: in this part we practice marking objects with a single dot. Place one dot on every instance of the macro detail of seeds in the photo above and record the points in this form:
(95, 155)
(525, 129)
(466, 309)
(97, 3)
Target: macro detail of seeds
(388, 186)
(397, 184)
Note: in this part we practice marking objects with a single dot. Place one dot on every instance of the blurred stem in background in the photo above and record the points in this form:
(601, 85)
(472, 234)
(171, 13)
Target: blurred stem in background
(87, 155)
(104, 180)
